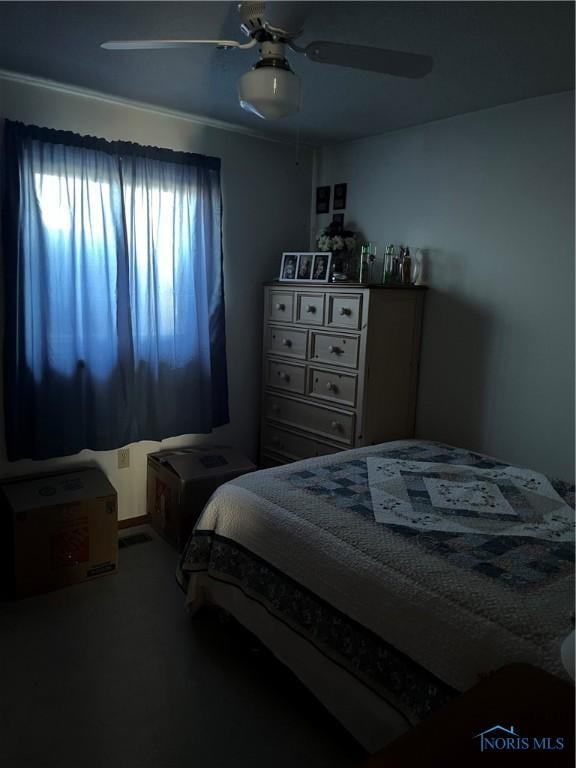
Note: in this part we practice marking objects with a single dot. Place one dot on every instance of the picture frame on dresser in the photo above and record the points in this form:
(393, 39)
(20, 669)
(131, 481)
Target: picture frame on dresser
(305, 267)
(321, 267)
(304, 271)
(289, 267)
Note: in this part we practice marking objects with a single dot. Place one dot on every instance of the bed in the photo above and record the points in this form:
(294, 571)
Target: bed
(389, 578)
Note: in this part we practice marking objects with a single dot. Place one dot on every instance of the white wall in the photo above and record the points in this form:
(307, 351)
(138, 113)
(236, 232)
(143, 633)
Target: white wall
(266, 198)
(491, 195)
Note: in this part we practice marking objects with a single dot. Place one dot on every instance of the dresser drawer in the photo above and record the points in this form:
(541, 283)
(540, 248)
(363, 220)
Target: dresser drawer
(281, 306)
(310, 308)
(288, 342)
(328, 422)
(291, 445)
(344, 311)
(285, 375)
(335, 349)
(337, 387)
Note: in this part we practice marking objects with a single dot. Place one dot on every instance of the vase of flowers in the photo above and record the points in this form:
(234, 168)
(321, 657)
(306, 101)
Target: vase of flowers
(342, 243)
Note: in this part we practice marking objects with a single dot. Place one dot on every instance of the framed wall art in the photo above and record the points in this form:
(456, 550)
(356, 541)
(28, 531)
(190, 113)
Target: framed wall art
(338, 222)
(340, 196)
(322, 199)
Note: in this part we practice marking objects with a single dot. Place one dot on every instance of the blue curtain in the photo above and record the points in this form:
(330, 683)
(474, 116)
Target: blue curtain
(114, 304)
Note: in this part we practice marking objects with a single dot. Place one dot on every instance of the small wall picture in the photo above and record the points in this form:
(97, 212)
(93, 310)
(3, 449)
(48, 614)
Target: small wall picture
(305, 266)
(338, 222)
(340, 197)
(321, 267)
(288, 268)
(322, 199)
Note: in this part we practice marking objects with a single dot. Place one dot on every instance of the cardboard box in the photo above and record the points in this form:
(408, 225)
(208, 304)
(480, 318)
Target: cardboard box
(180, 482)
(57, 530)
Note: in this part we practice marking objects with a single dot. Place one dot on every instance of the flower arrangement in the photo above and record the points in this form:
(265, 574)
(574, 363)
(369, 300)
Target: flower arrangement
(334, 238)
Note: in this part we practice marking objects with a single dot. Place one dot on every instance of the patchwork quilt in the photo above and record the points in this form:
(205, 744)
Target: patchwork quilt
(415, 566)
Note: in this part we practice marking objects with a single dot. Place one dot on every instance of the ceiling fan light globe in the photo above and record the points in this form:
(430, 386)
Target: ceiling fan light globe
(270, 92)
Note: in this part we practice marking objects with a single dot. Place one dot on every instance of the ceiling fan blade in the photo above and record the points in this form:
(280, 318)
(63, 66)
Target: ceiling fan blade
(153, 45)
(381, 60)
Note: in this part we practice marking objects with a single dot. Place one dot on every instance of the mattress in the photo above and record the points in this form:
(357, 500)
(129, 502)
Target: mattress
(391, 577)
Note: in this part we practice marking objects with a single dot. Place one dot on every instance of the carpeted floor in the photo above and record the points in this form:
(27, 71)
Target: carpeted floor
(113, 673)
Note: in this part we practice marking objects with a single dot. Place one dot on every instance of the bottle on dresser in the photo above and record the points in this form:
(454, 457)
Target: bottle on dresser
(406, 267)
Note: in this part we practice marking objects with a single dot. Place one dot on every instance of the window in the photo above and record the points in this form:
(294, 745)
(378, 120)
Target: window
(115, 310)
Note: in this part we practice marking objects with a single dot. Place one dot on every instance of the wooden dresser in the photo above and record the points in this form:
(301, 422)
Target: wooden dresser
(340, 367)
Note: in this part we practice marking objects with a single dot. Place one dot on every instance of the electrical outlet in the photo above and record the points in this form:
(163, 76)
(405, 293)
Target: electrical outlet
(123, 458)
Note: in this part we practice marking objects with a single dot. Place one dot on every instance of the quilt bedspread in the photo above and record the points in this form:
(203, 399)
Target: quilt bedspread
(414, 565)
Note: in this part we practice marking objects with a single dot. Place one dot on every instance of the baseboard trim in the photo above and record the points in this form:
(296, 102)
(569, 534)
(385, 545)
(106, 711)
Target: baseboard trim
(132, 522)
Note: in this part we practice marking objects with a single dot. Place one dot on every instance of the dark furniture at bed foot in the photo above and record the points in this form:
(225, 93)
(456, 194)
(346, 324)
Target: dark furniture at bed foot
(520, 715)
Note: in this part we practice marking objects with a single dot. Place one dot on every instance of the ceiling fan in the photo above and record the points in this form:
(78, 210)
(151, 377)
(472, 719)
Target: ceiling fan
(271, 89)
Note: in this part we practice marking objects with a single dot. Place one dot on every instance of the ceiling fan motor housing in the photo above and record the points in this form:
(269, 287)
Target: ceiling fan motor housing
(272, 54)
(272, 21)
(251, 17)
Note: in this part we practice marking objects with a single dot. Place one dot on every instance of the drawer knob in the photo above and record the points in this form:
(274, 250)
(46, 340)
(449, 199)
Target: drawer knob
(286, 343)
(331, 387)
(345, 311)
(284, 376)
(333, 350)
(336, 426)
(275, 408)
(281, 307)
(310, 308)
(275, 440)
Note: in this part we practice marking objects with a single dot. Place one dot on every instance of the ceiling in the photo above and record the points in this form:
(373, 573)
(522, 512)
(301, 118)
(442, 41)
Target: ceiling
(485, 54)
